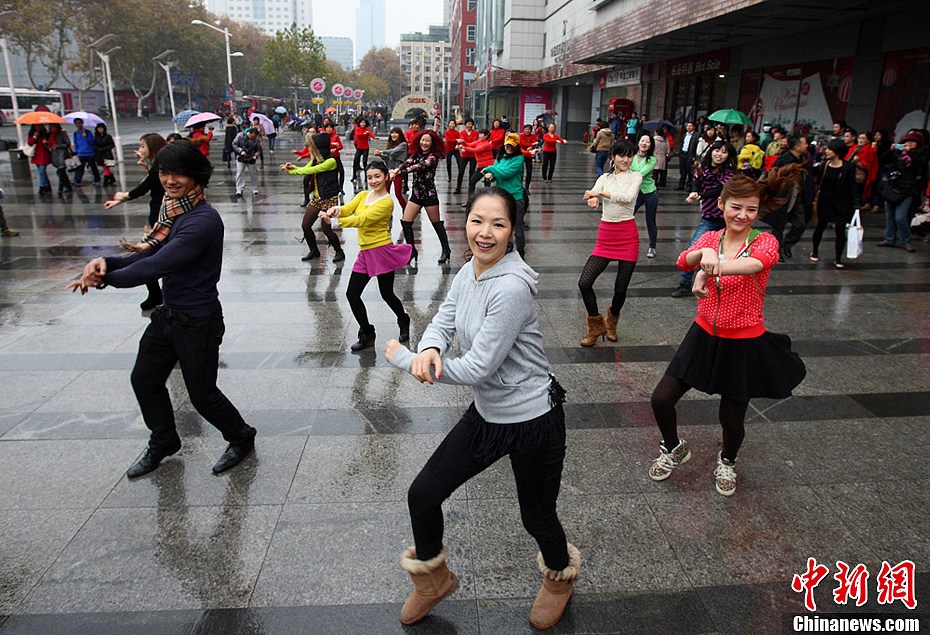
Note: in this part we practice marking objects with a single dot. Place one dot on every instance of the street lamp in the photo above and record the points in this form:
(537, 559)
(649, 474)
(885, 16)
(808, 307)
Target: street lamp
(167, 68)
(230, 88)
(9, 78)
(105, 58)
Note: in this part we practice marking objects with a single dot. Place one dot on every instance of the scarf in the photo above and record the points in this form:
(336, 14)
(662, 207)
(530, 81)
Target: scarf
(171, 208)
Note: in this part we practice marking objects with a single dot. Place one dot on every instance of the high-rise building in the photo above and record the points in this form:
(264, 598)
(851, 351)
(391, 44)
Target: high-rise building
(338, 49)
(369, 27)
(268, 15)
(462, 63)
(424, 61)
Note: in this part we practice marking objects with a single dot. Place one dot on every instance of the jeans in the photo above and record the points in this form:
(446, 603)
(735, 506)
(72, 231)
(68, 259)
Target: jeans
(241, 168)
(43, 175)
(79, 173)
(705, 225)
(171, 339)
(536, 460)
(896, 217)
(651, 201)
(600, 158)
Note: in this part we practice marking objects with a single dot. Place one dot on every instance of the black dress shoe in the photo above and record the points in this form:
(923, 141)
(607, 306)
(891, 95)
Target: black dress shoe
(151, 460)
(339, 256)
(682, 291)
(313, 255)
(233, 455)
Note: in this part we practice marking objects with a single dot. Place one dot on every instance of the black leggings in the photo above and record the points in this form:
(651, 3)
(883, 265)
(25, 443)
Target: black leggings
(357, 284)
(471, 163)
(360, 162)
(732, 416)
(839, 227)
(528, 170)
(450, 158)
(306, 225)
(473, 181)
(548, 165)
(472, 446)
(595, 267)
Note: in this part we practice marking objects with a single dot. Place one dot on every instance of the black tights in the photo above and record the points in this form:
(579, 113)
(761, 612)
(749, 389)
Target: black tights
(306, 225)
(840, 229)
(357, 284)
(595, 267)
(732, 416)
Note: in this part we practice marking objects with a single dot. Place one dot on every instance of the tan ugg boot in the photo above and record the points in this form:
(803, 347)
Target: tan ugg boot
(555, 591)
(596, 329)
(432, 581)
(611, 323)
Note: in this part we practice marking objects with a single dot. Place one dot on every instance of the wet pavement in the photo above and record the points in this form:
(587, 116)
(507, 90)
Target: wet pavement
(305, 536)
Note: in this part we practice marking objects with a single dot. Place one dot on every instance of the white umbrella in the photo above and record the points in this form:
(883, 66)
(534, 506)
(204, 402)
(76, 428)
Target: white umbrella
(90, 119)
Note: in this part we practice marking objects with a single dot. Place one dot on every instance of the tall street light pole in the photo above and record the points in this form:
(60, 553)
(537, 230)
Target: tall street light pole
(167, 68)
(230, 87)
(105, 58)
(9, 79)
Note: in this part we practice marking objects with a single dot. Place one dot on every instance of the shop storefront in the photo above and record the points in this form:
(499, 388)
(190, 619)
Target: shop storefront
(619, 83)
(534, 102)
(904, 93)
(696, 85)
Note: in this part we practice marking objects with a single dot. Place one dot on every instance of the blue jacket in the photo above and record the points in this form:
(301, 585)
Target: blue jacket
(84, 143)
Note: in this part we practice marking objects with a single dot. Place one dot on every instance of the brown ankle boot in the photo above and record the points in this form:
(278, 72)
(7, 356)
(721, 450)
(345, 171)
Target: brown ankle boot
(596, 329)
(611, 321)
(555, 591)
(432, 581)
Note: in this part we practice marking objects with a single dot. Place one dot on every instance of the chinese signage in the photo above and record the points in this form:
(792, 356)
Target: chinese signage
(713, 62)
(622, 77)
(560, 52)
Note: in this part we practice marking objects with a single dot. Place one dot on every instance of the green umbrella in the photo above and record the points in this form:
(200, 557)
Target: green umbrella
(730, 116)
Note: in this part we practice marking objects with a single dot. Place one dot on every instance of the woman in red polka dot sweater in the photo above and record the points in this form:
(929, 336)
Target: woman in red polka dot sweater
(728, 351)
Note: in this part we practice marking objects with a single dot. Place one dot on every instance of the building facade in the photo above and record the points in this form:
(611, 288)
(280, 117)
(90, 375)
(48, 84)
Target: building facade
(270, 16)
(800, 65)
(463, 33)
(339, 49)
(425, 61)
(369, 27)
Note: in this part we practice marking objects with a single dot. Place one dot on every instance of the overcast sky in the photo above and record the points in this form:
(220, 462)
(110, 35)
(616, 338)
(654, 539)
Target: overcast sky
(403, 16)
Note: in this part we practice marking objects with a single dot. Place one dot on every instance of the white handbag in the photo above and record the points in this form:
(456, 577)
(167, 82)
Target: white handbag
(29, 151)
(854, 235)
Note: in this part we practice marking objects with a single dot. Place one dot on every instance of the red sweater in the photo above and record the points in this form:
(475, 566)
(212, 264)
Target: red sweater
(468, 137)
(335, 144)
(497, 138)
(527, 141)
(735, 311)
(203, 146)
(484, 156)
(362, 135)
(549, 141)
(452, 138)
(410, 135)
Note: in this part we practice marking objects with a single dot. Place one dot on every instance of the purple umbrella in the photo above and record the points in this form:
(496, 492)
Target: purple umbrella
(266, 123)
(204, 117)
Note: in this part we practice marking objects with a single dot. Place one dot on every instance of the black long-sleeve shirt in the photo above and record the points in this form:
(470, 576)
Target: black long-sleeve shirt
(189, 261)
(151, 185)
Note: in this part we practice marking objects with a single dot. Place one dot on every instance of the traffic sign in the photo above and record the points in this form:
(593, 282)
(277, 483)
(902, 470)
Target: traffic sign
(358, 93)
(317, 85)
(337, 90)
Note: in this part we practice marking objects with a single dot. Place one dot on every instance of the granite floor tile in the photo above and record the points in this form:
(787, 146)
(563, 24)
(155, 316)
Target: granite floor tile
(80, 425)
(116, 623)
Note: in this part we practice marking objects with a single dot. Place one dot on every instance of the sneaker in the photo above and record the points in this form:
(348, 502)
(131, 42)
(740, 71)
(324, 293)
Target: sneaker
(254, 192)
(238, 194)
(651, 253)
(9, 232)
(815, 258)
(725, 477)
(682, 291)
(662, 467)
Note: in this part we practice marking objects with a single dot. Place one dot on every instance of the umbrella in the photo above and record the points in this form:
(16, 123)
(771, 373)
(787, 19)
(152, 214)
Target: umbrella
(184, 115)
(655, 124)
(39, 118)
(280, 110)
(730, 116)
(89, 118)
(203, 117)
(331, 110)
(266, 123)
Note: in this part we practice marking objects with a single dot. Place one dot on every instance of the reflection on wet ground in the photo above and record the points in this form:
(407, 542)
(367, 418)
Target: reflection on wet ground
(304, 537)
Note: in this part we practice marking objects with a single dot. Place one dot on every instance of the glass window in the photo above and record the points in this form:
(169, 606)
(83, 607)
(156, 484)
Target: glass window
(470, 33)
(472, 4)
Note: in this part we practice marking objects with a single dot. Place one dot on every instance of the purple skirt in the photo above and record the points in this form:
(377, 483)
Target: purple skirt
(384, 259)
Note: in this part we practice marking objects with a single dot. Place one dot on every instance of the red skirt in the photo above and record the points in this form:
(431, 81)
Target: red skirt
(617, 241)
(383, 259)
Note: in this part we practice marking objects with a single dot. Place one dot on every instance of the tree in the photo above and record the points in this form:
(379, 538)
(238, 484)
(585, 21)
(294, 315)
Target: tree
(293, 57)
(383, 64)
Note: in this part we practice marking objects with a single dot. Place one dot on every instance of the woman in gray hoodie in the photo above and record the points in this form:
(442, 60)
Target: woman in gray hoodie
(517, 411)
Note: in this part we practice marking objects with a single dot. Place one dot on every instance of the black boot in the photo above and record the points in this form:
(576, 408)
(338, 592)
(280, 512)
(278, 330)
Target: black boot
(154, 298)
(407, 226)
(314, 253)
(440, 227)
(404, 323)
(366, 339)
(340, 255)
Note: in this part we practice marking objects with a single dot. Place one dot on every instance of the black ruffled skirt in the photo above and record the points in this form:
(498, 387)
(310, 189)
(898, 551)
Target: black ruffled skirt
(739, 369)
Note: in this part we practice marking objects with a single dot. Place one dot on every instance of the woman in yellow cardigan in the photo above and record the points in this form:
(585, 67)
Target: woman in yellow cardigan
(370, 211)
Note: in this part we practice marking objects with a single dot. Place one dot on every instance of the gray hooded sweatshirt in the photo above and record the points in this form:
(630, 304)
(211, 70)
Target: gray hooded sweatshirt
(496, 321)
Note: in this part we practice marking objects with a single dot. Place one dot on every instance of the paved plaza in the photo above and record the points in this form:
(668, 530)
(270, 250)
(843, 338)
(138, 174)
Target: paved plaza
(305, 536)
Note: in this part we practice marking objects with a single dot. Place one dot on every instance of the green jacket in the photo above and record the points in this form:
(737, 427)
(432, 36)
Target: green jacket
(508, 172)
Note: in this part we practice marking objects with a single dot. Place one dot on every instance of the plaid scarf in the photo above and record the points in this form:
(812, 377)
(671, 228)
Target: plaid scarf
(170, 209)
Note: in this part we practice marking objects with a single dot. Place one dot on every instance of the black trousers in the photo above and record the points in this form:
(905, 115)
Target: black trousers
(452, 157)
(360, 162)
(472, 446)
(92, 162)
(472, 163)
(528, 170)
(548, 165)
(473, 180)
(194, 343)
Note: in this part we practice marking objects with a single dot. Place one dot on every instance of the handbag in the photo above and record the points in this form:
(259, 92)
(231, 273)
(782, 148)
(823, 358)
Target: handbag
(854, 235)
(814, 205)
(109, 162)
(30, 150)
(72, 163)
(892, 189)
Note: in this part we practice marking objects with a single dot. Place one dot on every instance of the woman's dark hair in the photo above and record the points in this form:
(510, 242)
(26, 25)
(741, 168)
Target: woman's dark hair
(622, 148)
(363, 121)
(183, 157)
(391, 144)
(707, 162)
(498, 122)
(485, 132)
(652, 143)
(471, 120)
(99, 126)
(755, 136)
(153, 142)
(838, 147)
(230, 121)
(438, 146)
(509, 202)
(173, 136)
(378, 165)
(771, 191)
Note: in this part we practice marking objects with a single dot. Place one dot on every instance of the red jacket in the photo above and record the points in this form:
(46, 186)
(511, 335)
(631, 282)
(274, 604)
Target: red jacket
(43, 155)
(549, 141)
(361, 137)
(410, 135)
(527, 141)
(497, 138)
(452, 138)
(203, 146)
(468, 137)
(335, 144)
(304, 153)
(484, 155)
